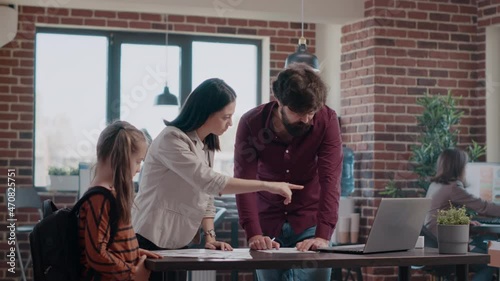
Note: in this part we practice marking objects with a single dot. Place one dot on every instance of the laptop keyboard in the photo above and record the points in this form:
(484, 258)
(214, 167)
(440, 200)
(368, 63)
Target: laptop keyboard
(487, 220)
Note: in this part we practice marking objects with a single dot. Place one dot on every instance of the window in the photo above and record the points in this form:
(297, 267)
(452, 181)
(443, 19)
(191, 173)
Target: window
(143, 78)
(70, 99)
(241, 76)
(85, 79)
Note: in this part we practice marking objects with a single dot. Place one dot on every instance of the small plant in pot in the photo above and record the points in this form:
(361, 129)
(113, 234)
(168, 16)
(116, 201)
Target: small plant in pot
(453, 230)
(63, 179)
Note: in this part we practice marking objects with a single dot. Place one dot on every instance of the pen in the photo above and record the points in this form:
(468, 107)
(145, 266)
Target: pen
(272, 241)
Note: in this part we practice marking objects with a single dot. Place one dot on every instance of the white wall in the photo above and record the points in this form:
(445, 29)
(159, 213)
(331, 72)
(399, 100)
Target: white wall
(328, 51)
(493, 94)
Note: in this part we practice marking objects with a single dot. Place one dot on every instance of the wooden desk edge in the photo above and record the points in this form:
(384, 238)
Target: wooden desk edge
(318, 260)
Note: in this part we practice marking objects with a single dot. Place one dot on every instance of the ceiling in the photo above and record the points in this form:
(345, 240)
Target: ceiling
(317, 11)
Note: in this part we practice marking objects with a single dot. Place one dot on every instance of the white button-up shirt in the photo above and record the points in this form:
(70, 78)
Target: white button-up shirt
(177, 189)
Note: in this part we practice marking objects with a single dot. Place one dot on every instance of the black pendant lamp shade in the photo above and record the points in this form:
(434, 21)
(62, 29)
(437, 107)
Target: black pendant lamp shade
(166, 98)
(302, 56)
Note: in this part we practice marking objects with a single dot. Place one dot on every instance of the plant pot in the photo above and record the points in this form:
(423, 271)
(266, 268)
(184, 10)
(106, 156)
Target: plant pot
(453, 239)
(63, 183)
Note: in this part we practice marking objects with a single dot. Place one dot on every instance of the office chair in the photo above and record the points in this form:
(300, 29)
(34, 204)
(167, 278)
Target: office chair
(26, 198)
(351, 274)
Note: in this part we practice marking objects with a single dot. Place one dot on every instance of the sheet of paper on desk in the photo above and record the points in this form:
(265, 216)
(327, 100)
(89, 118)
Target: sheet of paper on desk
(206, 254)
(286, 251)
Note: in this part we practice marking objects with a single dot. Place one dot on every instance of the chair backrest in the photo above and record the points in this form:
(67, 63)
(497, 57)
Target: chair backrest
(27, 197)
(430, 241)
(219, 216)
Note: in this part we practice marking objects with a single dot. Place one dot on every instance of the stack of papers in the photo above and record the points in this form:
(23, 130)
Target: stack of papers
(206, 254)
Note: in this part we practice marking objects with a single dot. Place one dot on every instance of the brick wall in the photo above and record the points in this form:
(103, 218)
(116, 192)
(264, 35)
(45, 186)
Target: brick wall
(401, 50)
(17, 75)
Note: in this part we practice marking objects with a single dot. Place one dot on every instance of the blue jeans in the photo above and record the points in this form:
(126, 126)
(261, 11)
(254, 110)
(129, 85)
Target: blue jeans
(288, 238)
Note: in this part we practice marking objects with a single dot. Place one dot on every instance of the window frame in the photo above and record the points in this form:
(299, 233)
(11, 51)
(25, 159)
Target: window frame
(183, 41)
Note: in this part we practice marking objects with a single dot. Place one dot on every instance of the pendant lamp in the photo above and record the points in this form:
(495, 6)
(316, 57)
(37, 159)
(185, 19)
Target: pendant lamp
(301, 55)
(166, 98)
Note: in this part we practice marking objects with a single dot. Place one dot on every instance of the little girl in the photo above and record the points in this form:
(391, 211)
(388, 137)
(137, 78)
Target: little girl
(120, 150)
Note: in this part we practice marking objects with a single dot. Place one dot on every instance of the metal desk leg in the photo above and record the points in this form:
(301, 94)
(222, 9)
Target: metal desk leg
(404, 273)
(359, 273)
(462, 272)
(336, 274)
(234, 244)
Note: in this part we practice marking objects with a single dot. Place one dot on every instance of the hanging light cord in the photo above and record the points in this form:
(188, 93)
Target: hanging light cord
(166, 49)
(302, 34)
(302, 40)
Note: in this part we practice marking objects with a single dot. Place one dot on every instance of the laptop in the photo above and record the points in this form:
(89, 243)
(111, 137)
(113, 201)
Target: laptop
(396, 227)
(487, 220)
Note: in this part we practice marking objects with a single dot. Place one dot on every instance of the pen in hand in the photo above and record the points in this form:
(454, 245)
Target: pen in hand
(272, 240)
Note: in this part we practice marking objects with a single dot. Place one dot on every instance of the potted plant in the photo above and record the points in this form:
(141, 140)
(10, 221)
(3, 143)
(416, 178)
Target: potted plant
(63, 179)
(438, 122)
(453, 230)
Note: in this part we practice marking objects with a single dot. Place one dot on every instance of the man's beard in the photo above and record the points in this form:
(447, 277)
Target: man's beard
(296, 129)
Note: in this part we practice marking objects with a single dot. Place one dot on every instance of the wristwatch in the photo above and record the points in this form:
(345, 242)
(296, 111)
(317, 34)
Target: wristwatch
(210, 233)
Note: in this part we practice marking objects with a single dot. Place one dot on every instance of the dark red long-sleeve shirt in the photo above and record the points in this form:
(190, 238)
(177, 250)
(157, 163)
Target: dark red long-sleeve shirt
(313, 160)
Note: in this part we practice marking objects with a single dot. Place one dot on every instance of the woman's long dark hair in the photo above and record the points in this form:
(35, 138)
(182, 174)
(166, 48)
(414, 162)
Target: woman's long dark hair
(451, 166)
(209, 97)
(117, 143)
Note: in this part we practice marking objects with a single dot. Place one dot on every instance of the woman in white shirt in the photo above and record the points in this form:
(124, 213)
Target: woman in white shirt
(178, 184)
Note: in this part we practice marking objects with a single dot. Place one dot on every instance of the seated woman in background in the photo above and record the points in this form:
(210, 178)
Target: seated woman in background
(448, 186)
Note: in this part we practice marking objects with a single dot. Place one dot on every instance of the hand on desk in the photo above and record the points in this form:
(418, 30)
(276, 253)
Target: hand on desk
(149, 254)
(475, 223)
(260, 242)
(312, 244)
(141, 272)
(218, 245)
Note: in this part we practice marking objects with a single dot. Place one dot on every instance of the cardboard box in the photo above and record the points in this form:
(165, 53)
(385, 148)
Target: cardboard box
(494, 252)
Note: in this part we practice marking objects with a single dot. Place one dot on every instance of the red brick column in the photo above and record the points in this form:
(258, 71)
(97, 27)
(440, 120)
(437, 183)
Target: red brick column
(401, 50)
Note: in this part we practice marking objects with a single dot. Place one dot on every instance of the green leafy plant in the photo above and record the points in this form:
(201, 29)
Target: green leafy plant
(57, 171)
(438, 123)
(392, 190)
(453, 216)
(475, 151)
(74, 172)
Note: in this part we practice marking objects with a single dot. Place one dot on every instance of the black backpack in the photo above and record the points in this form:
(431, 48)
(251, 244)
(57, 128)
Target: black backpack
(54, 240)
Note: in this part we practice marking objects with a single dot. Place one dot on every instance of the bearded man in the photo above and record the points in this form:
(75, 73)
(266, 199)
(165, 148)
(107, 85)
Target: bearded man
(294, 139)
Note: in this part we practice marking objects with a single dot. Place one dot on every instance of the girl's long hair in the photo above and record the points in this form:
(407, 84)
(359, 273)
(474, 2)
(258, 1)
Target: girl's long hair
(117, 143)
